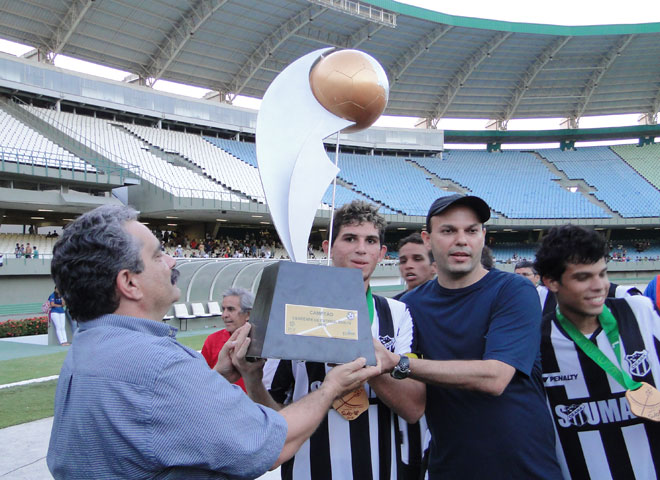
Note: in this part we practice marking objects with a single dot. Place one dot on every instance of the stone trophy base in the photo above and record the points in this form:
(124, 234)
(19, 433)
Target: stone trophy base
(311, 312)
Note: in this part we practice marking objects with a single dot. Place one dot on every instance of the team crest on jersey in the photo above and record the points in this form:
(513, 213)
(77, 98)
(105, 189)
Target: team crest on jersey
(387, 341)
(575, 414)
(639, 363)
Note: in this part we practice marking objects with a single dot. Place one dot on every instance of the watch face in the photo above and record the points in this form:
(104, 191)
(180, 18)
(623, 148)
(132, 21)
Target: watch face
(402, 369)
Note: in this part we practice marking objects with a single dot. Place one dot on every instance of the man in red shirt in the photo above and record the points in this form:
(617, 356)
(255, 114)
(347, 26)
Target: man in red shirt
(236, 307)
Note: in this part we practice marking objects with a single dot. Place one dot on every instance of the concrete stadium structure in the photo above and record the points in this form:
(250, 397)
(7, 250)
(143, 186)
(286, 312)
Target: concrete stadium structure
(78, 141)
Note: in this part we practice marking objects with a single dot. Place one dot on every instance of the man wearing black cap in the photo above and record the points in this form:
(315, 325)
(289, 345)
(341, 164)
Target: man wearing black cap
(479, 334)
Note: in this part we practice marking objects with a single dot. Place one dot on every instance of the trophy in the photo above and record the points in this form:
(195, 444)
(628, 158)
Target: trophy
(302, 311)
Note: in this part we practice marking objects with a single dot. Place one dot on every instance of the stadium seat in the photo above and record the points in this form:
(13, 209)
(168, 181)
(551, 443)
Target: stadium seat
(181, 312)
(214, 309)
(198, 310)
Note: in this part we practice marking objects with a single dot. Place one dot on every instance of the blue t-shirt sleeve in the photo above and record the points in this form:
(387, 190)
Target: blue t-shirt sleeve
(212, 424)
(514, 334)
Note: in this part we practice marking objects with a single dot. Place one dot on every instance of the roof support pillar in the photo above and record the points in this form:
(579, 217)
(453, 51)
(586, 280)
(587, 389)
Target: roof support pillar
(648, 119)
(499, 125)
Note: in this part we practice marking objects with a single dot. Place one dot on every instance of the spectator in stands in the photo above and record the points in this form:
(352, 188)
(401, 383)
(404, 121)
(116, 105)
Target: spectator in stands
(17, 251)
(58, 317)
(416, 264)
(525, 268)
(28, 251)
(366, 435)
(479, 334)
(236, 307)
(35, 252)
(487, 259)
(126, 372)
(179, 251)
(594, 349)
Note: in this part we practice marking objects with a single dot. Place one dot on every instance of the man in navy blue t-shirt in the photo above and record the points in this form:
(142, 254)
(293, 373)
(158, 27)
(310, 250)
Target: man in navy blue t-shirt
(479, 334)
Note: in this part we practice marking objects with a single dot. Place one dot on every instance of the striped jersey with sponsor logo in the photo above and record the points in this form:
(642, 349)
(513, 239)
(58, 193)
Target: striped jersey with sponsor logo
(366, 448)
(598, 437)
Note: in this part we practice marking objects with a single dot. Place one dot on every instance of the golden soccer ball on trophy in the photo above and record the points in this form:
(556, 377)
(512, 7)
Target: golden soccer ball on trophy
(351, 85)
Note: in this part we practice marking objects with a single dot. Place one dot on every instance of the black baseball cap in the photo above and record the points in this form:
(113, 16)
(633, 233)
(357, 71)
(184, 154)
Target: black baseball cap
(480, 207)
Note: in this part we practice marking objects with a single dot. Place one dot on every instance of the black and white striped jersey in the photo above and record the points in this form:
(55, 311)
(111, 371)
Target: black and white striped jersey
(366, 448)
(598, 437)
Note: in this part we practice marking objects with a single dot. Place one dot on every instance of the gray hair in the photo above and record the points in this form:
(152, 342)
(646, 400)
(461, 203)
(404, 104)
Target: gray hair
(246, 297)
(92, 250)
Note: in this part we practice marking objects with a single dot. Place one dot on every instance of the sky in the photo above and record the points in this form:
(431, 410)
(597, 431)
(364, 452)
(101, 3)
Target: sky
(557, 12)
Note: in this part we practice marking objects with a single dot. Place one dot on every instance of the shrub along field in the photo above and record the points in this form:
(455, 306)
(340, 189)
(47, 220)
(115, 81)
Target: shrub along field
(21, 328)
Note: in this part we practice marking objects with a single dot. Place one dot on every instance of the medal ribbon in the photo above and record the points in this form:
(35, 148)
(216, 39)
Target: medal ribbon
(370, 305)
(355, 403)
(608, 322)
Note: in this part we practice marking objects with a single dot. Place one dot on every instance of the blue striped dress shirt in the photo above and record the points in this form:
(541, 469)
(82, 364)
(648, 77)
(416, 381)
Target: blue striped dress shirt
(132, 402)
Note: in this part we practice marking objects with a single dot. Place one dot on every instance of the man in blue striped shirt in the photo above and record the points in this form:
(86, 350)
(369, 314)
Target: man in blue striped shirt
(131, 401)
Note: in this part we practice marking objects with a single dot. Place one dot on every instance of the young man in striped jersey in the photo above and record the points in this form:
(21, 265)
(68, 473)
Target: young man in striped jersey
(595, 349)
(369, 446)
(526, 269)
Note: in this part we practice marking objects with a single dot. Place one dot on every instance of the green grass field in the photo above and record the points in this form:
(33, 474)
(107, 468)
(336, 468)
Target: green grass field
(26, 403)
(31, 402)
(30, 367)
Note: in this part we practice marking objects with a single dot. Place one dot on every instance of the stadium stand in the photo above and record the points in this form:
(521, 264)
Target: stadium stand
(106, 136)
(246, 152)
(242, 150)
(19, 143)
(516, 184)
(223, 167)
(344, 195)
(645, 160)
(390, 181)
(8, 242)
(513, 252)
(614, 181)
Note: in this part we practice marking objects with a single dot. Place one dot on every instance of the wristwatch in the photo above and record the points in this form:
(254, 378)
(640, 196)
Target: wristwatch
(402, 369)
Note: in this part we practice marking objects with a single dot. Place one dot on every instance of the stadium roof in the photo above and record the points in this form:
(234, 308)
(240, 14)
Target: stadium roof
(440, 66)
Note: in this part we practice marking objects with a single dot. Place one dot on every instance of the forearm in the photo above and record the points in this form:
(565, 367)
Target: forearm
(407, 398)
(258, 393)
(487, 376)
(302, 418)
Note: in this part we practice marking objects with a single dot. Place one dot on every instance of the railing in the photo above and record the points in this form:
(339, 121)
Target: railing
(43, 159)
(12, 159)
(359, 9)
(11, 256)
(183, 192)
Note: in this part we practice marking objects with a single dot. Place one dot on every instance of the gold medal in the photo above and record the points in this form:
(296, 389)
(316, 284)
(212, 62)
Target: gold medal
(353, 404)
(645, 402)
